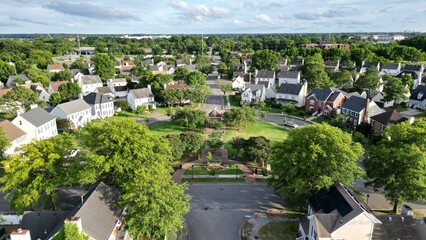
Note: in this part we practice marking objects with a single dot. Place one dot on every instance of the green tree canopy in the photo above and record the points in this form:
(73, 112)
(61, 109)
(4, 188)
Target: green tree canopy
(69, 90)
(21, 96)
(190, 118)
(395, 90)
(369, 81)
(104, 66)
(239, 116)
(4, 143)
(196, 78)
(5, 71)
(312, 158)
(265, 60)
(257, 149)
(40, 57)
(180, 74)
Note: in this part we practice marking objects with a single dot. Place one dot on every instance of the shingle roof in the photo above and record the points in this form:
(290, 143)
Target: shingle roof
(370, 64)
(55, 67)
(392, 66)
(141, 93)
(22, 76)
(331, 63)
(255, 87)
(11, 131)
(321, 94)
(42, 223)
(419, 93)
(410, 67)
(90, 79)
(297, 62)
(412, 73)
(396, 228)
(55, 85)
(104, 90)
(37, 116)
(215, 114)
(181, 85)
(266, 74)
(96, 98)
(73, 106)
(120, 88)
(389, 117)
(288, 74)
(355, 103)
(293, 89)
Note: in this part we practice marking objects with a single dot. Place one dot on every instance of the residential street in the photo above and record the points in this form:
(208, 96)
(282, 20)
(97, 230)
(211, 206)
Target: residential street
(218, 210)
(215, 99)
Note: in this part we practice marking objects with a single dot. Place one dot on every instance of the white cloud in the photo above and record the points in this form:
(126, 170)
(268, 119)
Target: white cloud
(200, 12)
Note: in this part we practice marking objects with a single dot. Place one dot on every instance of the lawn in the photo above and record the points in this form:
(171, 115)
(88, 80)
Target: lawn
(272, 132)
(166, 128)
(198, 170)
(322, 120)
(279, 231)
(208, 180)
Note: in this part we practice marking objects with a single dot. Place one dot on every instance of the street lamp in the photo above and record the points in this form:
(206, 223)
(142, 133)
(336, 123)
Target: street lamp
(236, 167)
(192, 172)
(368, 196)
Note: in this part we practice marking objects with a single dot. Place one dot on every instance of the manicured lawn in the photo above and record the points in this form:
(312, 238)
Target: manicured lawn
(322, 120)
(279, 231)
(166, 128)
(198, 170)
(207, 180)
(272, 132)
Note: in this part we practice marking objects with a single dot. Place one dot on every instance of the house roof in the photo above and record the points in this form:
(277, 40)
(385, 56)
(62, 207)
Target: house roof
(355, 103)
(287, 88)
(11, 131)
(396, 228)
(147, 62)
(215, 114)
(264, 83)
(282, 62)
(391, 66)
(104, 90)
(96, 98)
(321, 94)
(288, 74)
(141, 93)
(180, 61)
(265, 74)
(55, 85)
(75, 71)
(73, 106)
(120, 88)
(118, 80)
(22, 76)
(412, 73)
(180, 85)
(4, 91)
(389, 117)
(370, 64)
(90, 79)
(255, 87)
(98, 214)
(42, 223)
(410, 67)
(55, 67)
(331, 63)
(335, 207)
(333, 96)
(191, 67)
(127, 68)
(37, 117)
(419, 93)
(304, 222)
(297, 62)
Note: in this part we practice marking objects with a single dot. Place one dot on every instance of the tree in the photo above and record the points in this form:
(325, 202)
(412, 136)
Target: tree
(369, 81)
(313, 71)
(5, 71)
(224, 86)
(38, 75)
(176, 145)
(63, 125)
(196, 78)
(204, 64)
(190, 118)
(180, 74)
(222, 68)
(4, 143)
(239, 116)
(61, 76)
(104, 66)
(302, 164)
(69, 90)
(257, 149)
(395, 90)
(397, 164)
(214, 143)
(79, 64)
(342, 79)
(71, 231)
(209, 157)
(22, 96)
(265, 60)
(55, 99)
(237, 143)
(40, 57)
(340, 121)
(192, 141)
(407, 79)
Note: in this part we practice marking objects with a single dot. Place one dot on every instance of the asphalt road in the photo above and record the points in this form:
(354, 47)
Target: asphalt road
(280, 119)
(215, 99)
(218, 210)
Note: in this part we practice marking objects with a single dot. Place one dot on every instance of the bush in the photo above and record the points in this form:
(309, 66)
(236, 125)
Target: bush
(359, 137)
(124, 105)
(140, 110)
(289, 108)
(216, 124)
(169, 111)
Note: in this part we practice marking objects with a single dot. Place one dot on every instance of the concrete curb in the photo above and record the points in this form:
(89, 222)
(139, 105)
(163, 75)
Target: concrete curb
(241, 228)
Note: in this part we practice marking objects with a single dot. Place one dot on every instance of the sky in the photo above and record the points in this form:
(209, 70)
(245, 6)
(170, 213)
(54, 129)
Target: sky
(210, 17)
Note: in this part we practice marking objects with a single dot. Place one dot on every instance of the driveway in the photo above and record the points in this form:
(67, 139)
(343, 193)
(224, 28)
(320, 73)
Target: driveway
(215, 99)
(218, 210)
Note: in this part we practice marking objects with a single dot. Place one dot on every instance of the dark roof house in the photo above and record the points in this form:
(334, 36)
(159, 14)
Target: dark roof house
(389, 118)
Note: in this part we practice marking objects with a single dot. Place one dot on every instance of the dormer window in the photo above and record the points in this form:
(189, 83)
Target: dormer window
(20, 122)
(420, 95)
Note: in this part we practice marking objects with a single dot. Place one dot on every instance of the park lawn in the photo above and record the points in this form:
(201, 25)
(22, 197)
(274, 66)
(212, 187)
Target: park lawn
(279, 231)
(272, 132)
(198, 170)
(166, 128)
(208, 180)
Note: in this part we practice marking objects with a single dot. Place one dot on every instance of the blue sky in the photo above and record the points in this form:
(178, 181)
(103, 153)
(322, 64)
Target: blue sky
(220, 16)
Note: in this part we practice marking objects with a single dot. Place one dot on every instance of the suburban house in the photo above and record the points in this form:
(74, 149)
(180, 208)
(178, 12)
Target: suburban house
(38, 88)
(78, 112)
(337, 213)
(359, 109)
(265, 76)
(55, 68)
(15, 136)
(332, 65)
(89, 83)
(147, 62)
(297, 63)
(105, 90)
(141, 97)
(326, 101)
(270, 93)
(385, 119)
(292, 93)
(379, 100)
(37, 123)
(19, 78)
(391, 69)
(118, 87)
(282, 62)
(238, 83)
(291, 77)
(253, 93)
(76, 74)
(418, 98)
(416, 72)
(54, 86)
(215, 115)
(366, 65)
(102, 105)
(191, 67)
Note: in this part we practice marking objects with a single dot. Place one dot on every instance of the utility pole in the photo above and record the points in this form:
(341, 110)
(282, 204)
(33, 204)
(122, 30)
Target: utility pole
(79, 49)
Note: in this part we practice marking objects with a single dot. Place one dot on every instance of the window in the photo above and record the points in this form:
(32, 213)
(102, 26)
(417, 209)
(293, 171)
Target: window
(356, 114)
(320, 104)
(20, 122)
(373, 122)
(352, 113)
(355, 122)
(311, 102)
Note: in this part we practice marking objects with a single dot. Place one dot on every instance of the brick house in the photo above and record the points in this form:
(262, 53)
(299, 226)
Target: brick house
(326, 101)
(383, 120)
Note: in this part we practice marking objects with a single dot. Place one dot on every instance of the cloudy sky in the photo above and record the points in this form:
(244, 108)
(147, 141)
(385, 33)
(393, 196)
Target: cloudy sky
(214, 16)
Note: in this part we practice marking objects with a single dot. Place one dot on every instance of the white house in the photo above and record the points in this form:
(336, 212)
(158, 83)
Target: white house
(102, 105)
(15, 136)
(89, 83)
(292, 93)
(140, 97)
(416, 72)
(332, 65)
(291, 77)
(253, 93)
(418, 98)
(366, 65)
(55, 68)
(78, 112)
(118, 87)
(265, 76)
(43, 95)
(391, 69)
(238, 83)
(11, 81)
(37, 123)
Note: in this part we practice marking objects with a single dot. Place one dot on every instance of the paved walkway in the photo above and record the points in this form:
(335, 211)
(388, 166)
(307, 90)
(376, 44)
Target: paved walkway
(260, 219)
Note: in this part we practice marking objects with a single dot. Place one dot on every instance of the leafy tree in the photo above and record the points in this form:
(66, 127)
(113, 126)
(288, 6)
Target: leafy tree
(209, 157)
(176, 145)
(38, 75)
(395, 90)
(104, 66)
(407, 79)
(4, 143)
(199, 93)
(369, 81)
(156, 81)
(196, 78)
(204, 64)
(239, 116)
(397, 164)
(5, 71)
(265, 60)
(190, 118)
(63, 125)
(342, 79)
(304, 164)
(55, 99)
(69, 90)
(71, 231)
(61, 76)
(222, 68)
(22, 96)
(340, 121)
(40, 57)
(257, 149)
(79, 64)
(180, 74)
(214, 143)
(192, 141)
(224, 86)
(237, 143)
(313, 71)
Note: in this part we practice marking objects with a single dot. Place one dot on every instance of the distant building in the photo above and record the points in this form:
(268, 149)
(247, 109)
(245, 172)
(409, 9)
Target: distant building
(326, 45)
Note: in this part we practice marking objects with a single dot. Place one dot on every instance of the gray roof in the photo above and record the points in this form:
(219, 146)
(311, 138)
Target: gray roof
(293, 89)
(419, 90)
(90, 79)
(22, 76)
(389, 117)
(396, 228)
(393, 66)
(96, 98)
(288, 74)
(296, 62)
(370, 64)
(355, 103)
(141, 93)
(255, 87)
(98, 214)
(37, 117)
(42, 223)
(321, 94)
(413, 74)
(266, 74)
(264, 83)
(330, 63)
(104, 90)
(410, 67)
(73, 106)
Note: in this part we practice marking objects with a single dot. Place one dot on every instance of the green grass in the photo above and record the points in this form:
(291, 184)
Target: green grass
(198, 170)
(233, 101)
(272, 132)
(279, 231)
(166, 128)
(322, 120)
(207, 180)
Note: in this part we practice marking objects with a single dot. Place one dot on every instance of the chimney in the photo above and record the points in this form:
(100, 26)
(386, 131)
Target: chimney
(305, 86)
(33, 106)
(80, 96)
(149, 86)
(367, 106)
(76, 221)
(406, 210)
(20, 234)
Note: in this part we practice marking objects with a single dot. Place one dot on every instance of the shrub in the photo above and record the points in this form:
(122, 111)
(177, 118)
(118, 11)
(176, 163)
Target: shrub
(216, 124)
